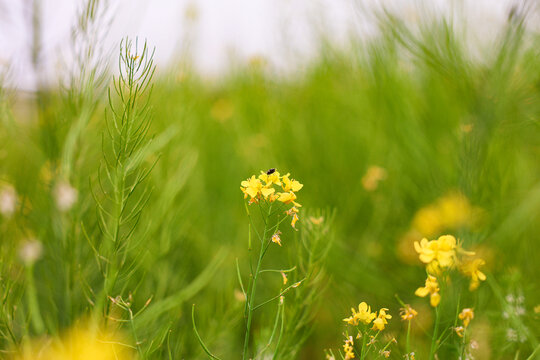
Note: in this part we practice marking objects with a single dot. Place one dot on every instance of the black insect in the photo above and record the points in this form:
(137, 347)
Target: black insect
(271, 171)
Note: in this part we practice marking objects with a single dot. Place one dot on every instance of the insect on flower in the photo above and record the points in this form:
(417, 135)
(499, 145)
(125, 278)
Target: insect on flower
(271, 171)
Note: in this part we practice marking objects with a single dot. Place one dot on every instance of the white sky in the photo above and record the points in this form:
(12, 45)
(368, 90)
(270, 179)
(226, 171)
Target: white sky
(282, 31)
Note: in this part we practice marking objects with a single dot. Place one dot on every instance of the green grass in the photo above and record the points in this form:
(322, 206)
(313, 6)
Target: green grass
(400, 102)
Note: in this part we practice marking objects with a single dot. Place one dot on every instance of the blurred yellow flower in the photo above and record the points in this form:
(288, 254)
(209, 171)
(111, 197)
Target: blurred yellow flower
(460, 330)
(80, 344)
(466, 315)
(276, 238)
(374, 174)
(348, 348)
(432, 288)
(222, 110)
(449, 212)
(471, 269)
(316, 221)
(407, 313)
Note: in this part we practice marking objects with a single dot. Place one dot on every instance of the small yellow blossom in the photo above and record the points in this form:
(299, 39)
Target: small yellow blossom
(466, 316)
(348, 348)
(294, 220)
(407, 313)
(284, 278)
(471, 269)
(536, 309)
(290, 184)
(385, 353)
(276, 238)
(364, 315)
(460, 331)
(431, 288)
(381, 320)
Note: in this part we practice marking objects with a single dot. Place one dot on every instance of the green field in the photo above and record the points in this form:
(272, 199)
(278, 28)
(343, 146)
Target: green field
(121, 204)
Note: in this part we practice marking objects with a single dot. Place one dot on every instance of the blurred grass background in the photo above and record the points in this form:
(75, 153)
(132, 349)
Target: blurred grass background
(419, 104)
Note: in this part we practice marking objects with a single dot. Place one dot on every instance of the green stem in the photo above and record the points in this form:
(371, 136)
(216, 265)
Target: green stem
(434, 338)
(33, 305)
(252, 291)
(408, 342)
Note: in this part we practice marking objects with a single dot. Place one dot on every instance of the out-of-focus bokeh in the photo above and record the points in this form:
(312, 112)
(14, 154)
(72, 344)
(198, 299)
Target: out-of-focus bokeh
(127, 128)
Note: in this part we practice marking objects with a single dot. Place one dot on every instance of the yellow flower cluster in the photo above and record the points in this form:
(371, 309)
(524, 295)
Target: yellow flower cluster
(264, 187)
(466, 315)
(365, 316)
(444, 254)
(348, 348)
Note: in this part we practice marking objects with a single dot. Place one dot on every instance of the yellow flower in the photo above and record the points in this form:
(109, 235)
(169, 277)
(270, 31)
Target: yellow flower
(270, 179)
(284, 278)
(460, 330)
(290, 184)
(251, 187)
(294, 220)
(381, 320)
(348, 348)
(385, 353)
(363, 315)
(407, 313)
(431, 288)
(427, 221)
(316, 221)
(293, 212)
(80, 344)
(287, 198)
(466, 316)
(442, 250)
(471, 269)
(276, 238)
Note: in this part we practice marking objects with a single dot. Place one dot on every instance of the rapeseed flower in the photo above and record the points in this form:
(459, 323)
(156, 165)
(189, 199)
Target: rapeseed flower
(381, 320)
(466, 315)
(441, 250)
(80, 344)
(407, 313)
(431, 288)
(364, 315)
(266, 187)
(348, 348)
(471, 269)
(276, 238)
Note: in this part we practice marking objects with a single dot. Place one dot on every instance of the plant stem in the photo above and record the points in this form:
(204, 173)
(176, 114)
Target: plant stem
(251, 295)
(35, 314)
(408, 343)
(434, 338)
